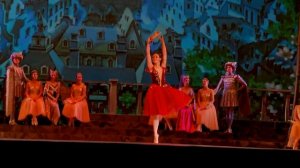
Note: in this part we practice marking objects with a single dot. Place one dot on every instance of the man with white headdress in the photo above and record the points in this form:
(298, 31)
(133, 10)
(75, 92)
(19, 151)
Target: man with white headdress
(15, 82)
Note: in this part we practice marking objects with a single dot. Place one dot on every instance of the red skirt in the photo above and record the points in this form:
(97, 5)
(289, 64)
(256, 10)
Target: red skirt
(164, 100)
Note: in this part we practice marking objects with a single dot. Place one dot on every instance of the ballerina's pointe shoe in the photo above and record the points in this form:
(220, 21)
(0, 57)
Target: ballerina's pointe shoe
(156, 138)
(12, 122)
(228, 131)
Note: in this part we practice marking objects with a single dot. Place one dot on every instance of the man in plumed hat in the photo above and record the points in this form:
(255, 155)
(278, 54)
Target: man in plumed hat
(15, 82)
(234, 94)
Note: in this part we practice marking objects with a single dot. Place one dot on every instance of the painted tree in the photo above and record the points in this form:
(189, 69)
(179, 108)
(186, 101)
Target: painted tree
(201, 63)
(287, 22)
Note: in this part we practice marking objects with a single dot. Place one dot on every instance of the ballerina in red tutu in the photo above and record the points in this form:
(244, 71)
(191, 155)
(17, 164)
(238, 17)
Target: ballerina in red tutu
(161, 99)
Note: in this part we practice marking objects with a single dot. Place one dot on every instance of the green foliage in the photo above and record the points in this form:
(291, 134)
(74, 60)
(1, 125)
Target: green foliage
(287, 23)
(253, 83)
(204, 63)
(127, 99)
(285, 81)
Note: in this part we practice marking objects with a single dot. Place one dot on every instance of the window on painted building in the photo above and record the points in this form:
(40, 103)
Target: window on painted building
(251, 17)
(172, 22)
(208, 44)
(233, 25)
(167, 17)
(61, 4)
(240, 29)
(132, 44)
(44, 70)
(67, 61)
(26, 69)
(18, 9)
(169, 7)
(179, 15)
(43, 11)
(224, 48)
(74, 36)
(277, 5)
(50, 23)
(101, 35)
(173, 11)
(39, 14)
(101, 62)
(48, 41)
(208, 30)
(161, 12)
(177, 43)
(265, 34)
(89, 44)
(257, 56)
(89, 62)
(169, 39)
(75, 8)
(65, 43)
(38, 43)
(110, 63)
(82, 32)
(50, 12)
(197, 8)
(188, 6)
(168, 69)
(111, 46)
(203, 40)
(56, 8)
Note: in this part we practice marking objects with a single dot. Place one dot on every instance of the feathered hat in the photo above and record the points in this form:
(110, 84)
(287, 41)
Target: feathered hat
(232, 64)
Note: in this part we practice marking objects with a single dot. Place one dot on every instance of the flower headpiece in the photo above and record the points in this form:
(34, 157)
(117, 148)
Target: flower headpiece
(18, 55)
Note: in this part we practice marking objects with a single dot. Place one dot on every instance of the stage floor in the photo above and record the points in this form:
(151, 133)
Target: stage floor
(122, 136)
(135, 129)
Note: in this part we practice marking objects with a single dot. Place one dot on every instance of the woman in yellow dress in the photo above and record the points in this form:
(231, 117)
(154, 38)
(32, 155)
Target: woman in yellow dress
(294, 137)
(33, 103)
(206, 112)
(51, 95)
(76, 107)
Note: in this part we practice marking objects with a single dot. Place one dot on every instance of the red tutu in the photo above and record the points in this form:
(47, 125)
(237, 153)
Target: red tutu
(164, 100)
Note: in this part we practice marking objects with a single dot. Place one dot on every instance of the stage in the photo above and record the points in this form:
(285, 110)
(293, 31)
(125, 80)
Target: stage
(128, 135)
